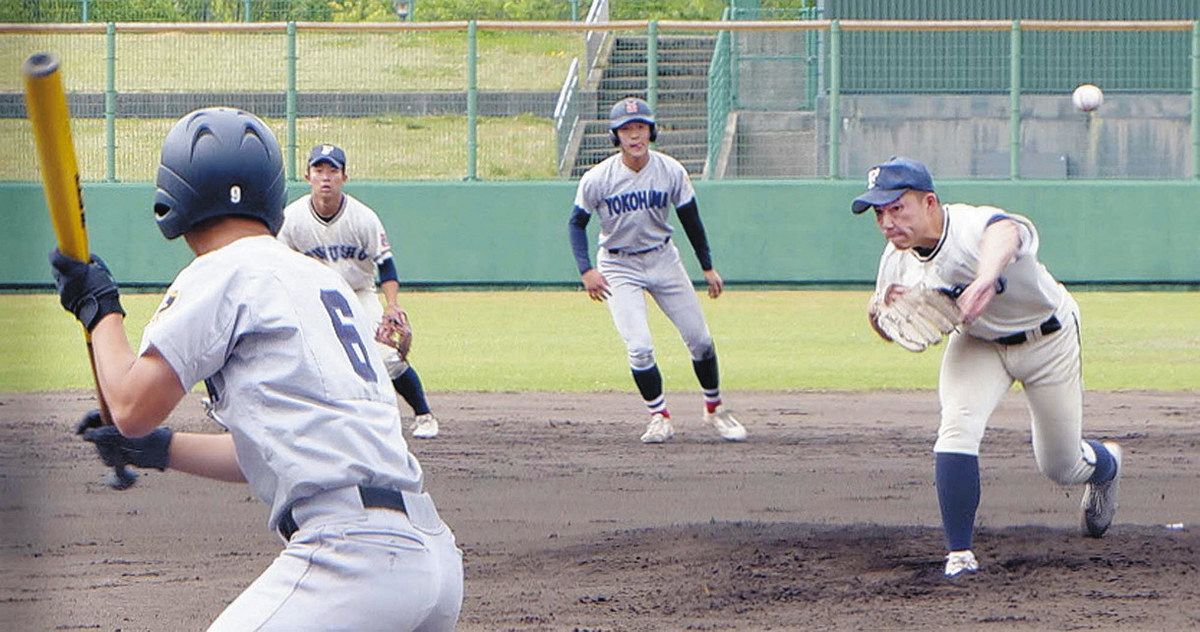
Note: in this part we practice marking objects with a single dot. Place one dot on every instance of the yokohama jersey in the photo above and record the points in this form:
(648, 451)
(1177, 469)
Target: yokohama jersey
(352, 242)
(289, 360)
(634, 205)
(1027, 294)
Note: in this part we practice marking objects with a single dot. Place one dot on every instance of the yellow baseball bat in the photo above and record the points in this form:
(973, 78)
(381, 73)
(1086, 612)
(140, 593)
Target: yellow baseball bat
(46, 106)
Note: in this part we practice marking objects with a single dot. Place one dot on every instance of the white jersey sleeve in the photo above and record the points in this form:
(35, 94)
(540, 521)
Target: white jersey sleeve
(1026, 292)
(286, 352)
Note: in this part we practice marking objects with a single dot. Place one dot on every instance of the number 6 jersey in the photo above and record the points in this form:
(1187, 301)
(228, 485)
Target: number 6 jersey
(287, 354)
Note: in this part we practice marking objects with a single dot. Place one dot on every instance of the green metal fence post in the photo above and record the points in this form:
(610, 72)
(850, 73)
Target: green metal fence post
(735, 64)
(291, 100)
(652, 65)
(246, 10)
(110, 102)
(1196, 99)
(1014, 101)
(835, 94)
(472, 102)
(85, 11)
(574, 10)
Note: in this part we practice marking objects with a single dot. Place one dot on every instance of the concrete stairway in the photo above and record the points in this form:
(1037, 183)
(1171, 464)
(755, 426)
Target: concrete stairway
(682, 99)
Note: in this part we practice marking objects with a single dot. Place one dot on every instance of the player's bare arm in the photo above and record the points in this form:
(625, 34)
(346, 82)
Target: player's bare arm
(997, 249)
(140, 390)
(207, 455)
(391, 294)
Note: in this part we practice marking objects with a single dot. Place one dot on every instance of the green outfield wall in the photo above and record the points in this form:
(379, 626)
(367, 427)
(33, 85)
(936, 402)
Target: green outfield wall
(760, 231)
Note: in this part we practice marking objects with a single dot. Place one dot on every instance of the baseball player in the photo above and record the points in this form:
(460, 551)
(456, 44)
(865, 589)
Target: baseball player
(346, 235)
(632, 192)
(280, 342)
(1017, 324)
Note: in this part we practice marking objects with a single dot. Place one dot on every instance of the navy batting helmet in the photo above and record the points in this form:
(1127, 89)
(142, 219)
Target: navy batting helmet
(218, 162)
(628, 110)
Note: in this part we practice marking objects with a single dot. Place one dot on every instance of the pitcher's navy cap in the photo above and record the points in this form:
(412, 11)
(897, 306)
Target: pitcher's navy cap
(888, 181)
(331, 154)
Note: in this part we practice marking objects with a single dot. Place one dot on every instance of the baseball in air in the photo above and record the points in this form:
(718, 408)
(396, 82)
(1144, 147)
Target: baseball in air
(1087, 97)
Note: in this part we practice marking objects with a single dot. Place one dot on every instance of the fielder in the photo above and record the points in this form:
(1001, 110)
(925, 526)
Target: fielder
(346, 235)
(280, 343)
(1014, 321)
(632, 192)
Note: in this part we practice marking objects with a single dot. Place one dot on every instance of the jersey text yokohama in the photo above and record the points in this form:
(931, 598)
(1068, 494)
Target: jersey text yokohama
(285, 346)
(352, 242)
(1027, 293)
(634, 206)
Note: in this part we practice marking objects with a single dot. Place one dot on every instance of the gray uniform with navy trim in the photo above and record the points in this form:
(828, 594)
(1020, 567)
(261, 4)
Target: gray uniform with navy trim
(636, 253)
(285, 349)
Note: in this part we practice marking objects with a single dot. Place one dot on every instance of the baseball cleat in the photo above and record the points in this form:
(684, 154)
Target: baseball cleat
(1100, 500)
(726, 425)
(425, 426)
(959, 563)
(658, 430)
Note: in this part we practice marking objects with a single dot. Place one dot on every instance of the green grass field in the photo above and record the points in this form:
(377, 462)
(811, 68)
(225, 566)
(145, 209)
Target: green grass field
(326, 62)
(561, 341)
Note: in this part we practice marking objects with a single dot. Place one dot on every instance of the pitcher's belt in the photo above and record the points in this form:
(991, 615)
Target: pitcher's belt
(1050, 326)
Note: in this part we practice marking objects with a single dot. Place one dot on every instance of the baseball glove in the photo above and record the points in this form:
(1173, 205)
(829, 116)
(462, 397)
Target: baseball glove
(395, 331)
(918, 318)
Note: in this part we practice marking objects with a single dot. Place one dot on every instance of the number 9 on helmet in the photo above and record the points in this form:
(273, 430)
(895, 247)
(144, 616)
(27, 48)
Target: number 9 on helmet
(218, 162)
(628, 110)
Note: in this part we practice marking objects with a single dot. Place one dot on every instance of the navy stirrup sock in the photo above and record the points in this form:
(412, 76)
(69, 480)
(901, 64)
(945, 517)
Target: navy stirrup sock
(649, 382)
(706, 372)
(958, 495)
(1106, 465)
(408, 384)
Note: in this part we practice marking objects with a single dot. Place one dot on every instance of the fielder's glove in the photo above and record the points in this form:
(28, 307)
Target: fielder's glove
(85, 289)
(395, 331)
(918, 318)
(117, 450)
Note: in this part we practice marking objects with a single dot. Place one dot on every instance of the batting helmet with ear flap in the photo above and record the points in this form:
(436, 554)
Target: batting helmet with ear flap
(217, 162)
(628, 110)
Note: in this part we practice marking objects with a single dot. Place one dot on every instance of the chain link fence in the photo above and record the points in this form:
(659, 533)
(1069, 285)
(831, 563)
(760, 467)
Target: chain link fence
(802, 97)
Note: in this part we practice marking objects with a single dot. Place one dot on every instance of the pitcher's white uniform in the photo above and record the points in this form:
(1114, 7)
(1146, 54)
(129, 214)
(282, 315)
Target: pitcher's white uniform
(353, 243)
(976, 372)
(282, 346)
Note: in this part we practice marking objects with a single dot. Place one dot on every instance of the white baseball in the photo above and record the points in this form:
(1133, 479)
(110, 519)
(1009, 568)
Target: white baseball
(1087, 97)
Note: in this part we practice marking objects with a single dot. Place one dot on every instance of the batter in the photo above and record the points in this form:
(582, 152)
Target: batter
(632, 192)
(279, 340)
(1019, 325)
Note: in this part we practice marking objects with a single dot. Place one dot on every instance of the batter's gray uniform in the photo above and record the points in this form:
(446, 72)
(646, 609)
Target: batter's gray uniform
(282, 345)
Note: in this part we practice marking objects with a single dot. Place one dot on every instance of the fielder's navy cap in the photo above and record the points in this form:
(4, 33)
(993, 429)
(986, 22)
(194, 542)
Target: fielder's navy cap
(888, 181)
(331, 154)
(628, 110)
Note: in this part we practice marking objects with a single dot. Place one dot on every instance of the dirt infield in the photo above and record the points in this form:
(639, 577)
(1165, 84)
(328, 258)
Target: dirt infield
(825, 519)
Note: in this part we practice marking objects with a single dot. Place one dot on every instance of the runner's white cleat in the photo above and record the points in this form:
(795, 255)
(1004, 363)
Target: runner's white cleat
(726, 425)
(1100, 500)
(425, 426)
(659, 429)
(959, 563)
